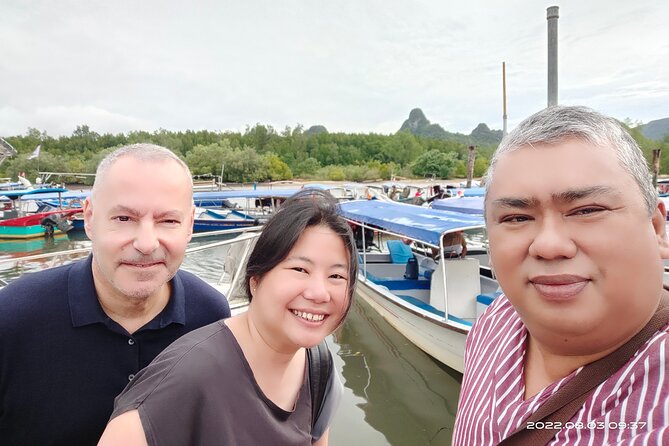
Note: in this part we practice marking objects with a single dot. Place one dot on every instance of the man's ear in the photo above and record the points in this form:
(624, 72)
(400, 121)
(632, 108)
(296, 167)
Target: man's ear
(87, 207)
(192, 222)
(660, 225)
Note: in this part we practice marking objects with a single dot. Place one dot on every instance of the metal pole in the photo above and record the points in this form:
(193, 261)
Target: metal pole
(552, 15)
(504, 95)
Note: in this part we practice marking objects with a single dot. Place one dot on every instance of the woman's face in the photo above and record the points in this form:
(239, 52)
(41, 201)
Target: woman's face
(302, 299)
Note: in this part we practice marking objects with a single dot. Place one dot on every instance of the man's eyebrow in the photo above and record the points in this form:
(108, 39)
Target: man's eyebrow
(172, 213)
(586, 192)
(120, 208)
(567, 196)
(124, 209)
(516, 202)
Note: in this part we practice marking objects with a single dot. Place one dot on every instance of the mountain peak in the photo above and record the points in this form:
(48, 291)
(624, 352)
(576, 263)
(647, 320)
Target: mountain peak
(416, 121)
(419, 125)
(656, 129)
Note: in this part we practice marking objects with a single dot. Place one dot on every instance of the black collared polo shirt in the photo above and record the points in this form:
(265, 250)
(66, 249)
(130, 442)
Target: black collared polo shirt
(63, 360)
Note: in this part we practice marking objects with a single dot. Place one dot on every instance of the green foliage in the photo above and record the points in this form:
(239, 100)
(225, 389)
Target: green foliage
(460, 169)
(307, 168)
(244, 166)
(269, 155)
(208, 160)
(277, 169)
(480, 166)
(439, 164)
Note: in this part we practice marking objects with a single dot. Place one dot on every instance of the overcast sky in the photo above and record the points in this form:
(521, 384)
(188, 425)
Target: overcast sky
(350, 65)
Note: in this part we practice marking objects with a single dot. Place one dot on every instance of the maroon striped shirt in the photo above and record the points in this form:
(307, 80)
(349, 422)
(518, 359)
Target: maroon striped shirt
(630, 408)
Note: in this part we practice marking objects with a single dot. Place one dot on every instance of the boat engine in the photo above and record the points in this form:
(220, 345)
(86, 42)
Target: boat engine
(53, 221)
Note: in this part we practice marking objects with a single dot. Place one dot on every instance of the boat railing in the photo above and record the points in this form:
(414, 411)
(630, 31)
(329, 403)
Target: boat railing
(419, 246)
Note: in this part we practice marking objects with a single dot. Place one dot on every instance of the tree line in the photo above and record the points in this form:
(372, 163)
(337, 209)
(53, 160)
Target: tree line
(261, 153)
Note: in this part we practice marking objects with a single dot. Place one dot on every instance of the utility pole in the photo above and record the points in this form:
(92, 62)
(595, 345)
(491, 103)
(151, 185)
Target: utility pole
(504, 96)
(552, 15)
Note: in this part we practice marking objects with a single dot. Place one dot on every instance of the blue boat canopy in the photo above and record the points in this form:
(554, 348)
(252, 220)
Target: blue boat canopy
(465, 205)
(21, 193)
(423, 224)
(51, 193)
(250, 193)
(472, 191)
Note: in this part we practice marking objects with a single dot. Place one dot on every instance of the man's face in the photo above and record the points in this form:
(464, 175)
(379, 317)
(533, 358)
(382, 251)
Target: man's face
(140, 221)
(573, 246)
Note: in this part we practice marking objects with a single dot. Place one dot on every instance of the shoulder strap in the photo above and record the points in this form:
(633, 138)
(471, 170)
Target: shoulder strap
(320, 367)
(564, 404)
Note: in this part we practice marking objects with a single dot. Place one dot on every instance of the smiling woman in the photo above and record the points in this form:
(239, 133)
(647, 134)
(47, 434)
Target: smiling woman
(245, 380)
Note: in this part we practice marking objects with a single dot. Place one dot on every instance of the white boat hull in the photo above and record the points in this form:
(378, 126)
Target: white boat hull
(441, 339)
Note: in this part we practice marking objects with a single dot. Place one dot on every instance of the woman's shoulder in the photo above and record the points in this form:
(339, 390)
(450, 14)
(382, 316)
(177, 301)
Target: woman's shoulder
(197, 351)
(188, 363)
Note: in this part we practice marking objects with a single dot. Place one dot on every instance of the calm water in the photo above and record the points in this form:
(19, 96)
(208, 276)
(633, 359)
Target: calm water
(394, 393)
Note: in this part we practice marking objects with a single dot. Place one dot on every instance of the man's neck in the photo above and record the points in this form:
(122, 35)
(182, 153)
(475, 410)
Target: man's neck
(544, 366)
(131, 313)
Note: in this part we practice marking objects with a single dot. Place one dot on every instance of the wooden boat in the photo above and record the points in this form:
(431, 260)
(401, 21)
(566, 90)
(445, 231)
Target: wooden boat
(40, 224)
(219, 219)
(433, 303)
(17, 222)
(253, 198)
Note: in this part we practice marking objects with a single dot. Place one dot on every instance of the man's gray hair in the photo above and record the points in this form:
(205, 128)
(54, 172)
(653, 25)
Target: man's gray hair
(557, 123)
(141, 152)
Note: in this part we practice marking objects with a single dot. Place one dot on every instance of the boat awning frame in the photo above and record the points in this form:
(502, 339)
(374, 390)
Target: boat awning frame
(418, 223)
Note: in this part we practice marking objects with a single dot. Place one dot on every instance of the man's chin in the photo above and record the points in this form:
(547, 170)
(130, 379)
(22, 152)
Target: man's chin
(140, 292)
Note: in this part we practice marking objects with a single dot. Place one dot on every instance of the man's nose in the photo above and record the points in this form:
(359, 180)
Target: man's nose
(553, 240)
(146, 238)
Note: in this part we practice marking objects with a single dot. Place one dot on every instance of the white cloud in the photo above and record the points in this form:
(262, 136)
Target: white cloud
(60, 120)
(351, 66)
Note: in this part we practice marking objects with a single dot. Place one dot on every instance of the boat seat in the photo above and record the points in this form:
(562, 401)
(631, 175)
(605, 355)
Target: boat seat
(402, 284)
(483, 301)
(463, 284)
(427, 266)
(399, 252)
(487, 299)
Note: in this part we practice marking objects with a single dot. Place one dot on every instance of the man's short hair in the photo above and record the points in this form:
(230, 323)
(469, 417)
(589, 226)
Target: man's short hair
(142, 152)
(557, 123)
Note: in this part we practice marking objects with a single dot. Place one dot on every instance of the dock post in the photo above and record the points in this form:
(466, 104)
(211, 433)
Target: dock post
(656, 165)
(470, 165)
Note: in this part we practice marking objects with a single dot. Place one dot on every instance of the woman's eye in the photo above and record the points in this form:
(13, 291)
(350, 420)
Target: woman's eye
(338, 277)
(299, 269)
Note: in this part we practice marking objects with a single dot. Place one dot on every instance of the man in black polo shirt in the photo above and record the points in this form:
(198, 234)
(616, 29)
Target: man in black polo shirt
(71, 338)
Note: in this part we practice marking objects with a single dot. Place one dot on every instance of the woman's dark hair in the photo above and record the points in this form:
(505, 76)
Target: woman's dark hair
(308, 207)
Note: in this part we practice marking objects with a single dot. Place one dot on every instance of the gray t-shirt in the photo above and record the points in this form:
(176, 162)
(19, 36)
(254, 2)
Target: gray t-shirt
(201, 391)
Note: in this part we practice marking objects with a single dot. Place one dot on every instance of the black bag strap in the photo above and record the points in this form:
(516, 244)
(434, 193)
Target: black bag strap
(320, 368)
(564, 403)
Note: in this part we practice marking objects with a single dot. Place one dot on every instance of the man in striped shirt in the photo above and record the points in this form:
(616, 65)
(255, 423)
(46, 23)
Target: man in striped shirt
(577, 240)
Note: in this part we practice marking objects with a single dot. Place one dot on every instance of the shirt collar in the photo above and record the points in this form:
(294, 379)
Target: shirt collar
(85, 309)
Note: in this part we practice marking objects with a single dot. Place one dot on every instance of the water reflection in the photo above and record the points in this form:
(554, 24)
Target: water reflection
(403, 392)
